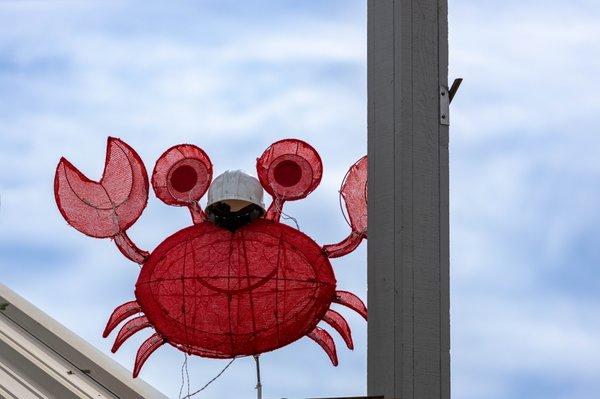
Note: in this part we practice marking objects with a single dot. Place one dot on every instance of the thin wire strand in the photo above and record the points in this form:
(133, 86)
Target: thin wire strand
(183, 373)
(187, 373)
(285, 216)
(211, 381)
(293, 219)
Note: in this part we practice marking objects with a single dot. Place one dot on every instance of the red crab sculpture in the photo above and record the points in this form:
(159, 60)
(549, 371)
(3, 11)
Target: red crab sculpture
(211, 291)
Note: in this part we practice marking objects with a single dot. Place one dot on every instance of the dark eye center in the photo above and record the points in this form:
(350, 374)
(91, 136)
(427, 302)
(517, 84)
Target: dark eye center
(184, 178)
(287, 173)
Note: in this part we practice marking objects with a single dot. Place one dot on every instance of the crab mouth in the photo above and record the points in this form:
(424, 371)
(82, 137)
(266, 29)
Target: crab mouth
(262, 281)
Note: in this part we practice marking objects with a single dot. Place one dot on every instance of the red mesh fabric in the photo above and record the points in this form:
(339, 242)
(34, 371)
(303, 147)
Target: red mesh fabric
(206, 290)
(289, 169)
(144, 352)
(130, 328)
(129, 249)
(323, 338)
(119, 314)
(182, 175)
(352, 301)
(344, 247)
(354, 192)
(335, 320)
(221, 294)
(105, 208)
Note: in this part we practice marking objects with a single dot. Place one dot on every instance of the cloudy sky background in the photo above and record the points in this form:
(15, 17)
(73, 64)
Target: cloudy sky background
(234, 76)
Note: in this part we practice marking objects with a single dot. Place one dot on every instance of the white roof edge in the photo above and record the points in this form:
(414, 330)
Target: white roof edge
(102, 369)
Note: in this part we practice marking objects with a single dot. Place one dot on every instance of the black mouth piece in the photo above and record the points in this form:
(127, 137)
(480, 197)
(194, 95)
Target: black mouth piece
(221, 215)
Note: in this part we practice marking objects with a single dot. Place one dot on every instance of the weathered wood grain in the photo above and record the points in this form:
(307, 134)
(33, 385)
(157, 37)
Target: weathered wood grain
(408, 297)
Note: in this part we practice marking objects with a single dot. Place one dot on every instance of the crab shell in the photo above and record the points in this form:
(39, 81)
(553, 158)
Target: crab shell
(221, 294)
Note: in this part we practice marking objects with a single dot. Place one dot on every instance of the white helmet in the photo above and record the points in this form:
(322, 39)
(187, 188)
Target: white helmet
(236, 189)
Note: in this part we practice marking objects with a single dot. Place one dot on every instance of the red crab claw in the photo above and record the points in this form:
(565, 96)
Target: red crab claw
(289, 170)
(105, 208)
(110, 206)
(354, 194)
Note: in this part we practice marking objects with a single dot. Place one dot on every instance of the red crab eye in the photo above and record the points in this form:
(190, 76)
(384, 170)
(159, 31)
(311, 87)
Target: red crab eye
(289, 169)
(182, 175)
(184, 178)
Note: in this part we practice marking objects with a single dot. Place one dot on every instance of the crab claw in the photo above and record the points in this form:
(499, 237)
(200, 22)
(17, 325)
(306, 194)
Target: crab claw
(106, 208)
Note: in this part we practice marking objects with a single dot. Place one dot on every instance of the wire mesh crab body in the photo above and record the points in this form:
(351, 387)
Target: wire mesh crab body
(245, 292)
(207, 290)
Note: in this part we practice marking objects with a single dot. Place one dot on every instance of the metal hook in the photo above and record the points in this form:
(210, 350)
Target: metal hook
(455, 85)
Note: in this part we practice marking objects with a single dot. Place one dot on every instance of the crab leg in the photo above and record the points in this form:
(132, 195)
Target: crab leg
(119, 314)
(130, 328)
(323, 338)
(345, 246)
(351, 301)
(335, 320)
(147, 348)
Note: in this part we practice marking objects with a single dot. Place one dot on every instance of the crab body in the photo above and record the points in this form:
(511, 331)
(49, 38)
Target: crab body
(212, 291)
(223, 294)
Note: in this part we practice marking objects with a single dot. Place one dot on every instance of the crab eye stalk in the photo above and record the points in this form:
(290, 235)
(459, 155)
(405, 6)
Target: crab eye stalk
(182, 176)
(288, 170)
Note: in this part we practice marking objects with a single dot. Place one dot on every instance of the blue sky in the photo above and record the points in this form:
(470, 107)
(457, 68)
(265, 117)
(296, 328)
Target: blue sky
(232, 77)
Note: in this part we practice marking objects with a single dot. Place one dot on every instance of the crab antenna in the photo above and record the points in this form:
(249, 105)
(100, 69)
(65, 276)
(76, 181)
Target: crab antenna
(119, 314)
(130, 328)
(323, 338)
(147, 348)
(351, 301)
(337, 321)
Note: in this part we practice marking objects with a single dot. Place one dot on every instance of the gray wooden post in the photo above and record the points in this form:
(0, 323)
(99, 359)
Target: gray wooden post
(408, 255)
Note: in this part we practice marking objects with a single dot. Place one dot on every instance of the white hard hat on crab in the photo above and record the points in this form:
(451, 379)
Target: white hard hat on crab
(236, 189)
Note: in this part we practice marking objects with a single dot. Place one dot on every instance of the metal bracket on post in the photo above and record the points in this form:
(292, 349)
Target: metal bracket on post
(446, 97)
(444, 106)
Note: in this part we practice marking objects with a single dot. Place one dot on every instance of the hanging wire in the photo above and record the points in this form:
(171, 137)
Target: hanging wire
(187, 374)
(279, 204)
(182, 375)
(293, 219)
(189, 395)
